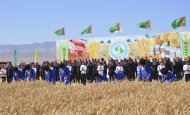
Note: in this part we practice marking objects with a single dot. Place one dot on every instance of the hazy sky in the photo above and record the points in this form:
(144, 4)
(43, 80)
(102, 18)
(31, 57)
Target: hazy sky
(31, 21)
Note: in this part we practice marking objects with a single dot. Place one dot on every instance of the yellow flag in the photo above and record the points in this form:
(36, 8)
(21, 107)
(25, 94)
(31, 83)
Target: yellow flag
(36, 56)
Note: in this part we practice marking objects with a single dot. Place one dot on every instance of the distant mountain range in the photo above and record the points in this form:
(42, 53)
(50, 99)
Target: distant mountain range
(25, 52)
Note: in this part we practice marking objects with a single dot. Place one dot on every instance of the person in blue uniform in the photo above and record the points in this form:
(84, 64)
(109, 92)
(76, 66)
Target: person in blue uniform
(119, 72)
(33, 73)
(49, 74)
(64, 74)
(17, 74)
(20, 72)
(61, 73)
(144, 71)
(100, 70)
(27, 74)
(148, 70)
(167, 76)
(67, 75)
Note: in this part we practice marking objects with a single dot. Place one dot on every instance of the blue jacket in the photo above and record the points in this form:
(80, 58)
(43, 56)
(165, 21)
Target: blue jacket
(28, 75)
(20, 73)
(18, 77)
(170, 78)
(50, 76)
(149, 71)
(61, 74)
(67, 75)
(144, 74)
(33, 74)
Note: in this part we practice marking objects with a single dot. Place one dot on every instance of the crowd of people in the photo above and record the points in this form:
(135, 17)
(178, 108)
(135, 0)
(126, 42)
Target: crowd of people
(90, 71)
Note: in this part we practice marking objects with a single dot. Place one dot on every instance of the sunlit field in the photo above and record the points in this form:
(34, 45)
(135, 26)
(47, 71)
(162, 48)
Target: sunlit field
(105, 98)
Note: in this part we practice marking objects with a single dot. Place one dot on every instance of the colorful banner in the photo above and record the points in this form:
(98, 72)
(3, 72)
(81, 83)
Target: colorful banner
(62, 50)
(148, 45)
(185, 45)
(36, 56)
(15, 58)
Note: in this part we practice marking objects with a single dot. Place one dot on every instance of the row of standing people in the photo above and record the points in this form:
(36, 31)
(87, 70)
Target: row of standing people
(96, 70)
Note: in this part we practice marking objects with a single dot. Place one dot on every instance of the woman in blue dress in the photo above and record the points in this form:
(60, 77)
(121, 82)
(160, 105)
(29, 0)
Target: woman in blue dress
(144, 71)
(167, 76)
(119, 72)
(49, 75)
(17, 74)
(64, 74)
(27, 74)
(101, 76)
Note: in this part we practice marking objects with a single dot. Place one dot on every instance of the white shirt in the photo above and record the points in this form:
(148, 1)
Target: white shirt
(35, 69)
(4, 72)
(83, 69)
(107, 73)
(159, 69)
(186, 69)
(51, 68)
(119, 68)
(100, 69)
(70, 68)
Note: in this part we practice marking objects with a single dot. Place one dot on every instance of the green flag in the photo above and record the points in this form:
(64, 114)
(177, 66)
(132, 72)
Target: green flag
(87, 30)
(15, 58)
(60, 32)
(179, 22)
(116, 27)
(145, 25)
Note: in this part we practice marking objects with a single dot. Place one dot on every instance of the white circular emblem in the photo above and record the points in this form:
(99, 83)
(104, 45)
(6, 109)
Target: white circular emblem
(119, 50)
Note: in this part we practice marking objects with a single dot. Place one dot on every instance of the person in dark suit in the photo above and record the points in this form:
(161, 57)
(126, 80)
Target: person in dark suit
(74, 72)
(89, 71)
(111, 72)
(37, 71)
(154, 69)
(9, 72)
(132, 69)
(78, 72)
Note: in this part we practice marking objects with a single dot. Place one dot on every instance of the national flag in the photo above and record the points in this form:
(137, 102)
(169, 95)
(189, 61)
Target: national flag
(60, 32)
(87, 30)
(179, 22)
(116, 27)
(145, 25)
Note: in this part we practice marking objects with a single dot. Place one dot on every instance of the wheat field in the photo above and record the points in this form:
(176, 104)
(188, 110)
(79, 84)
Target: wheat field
(127, 98)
